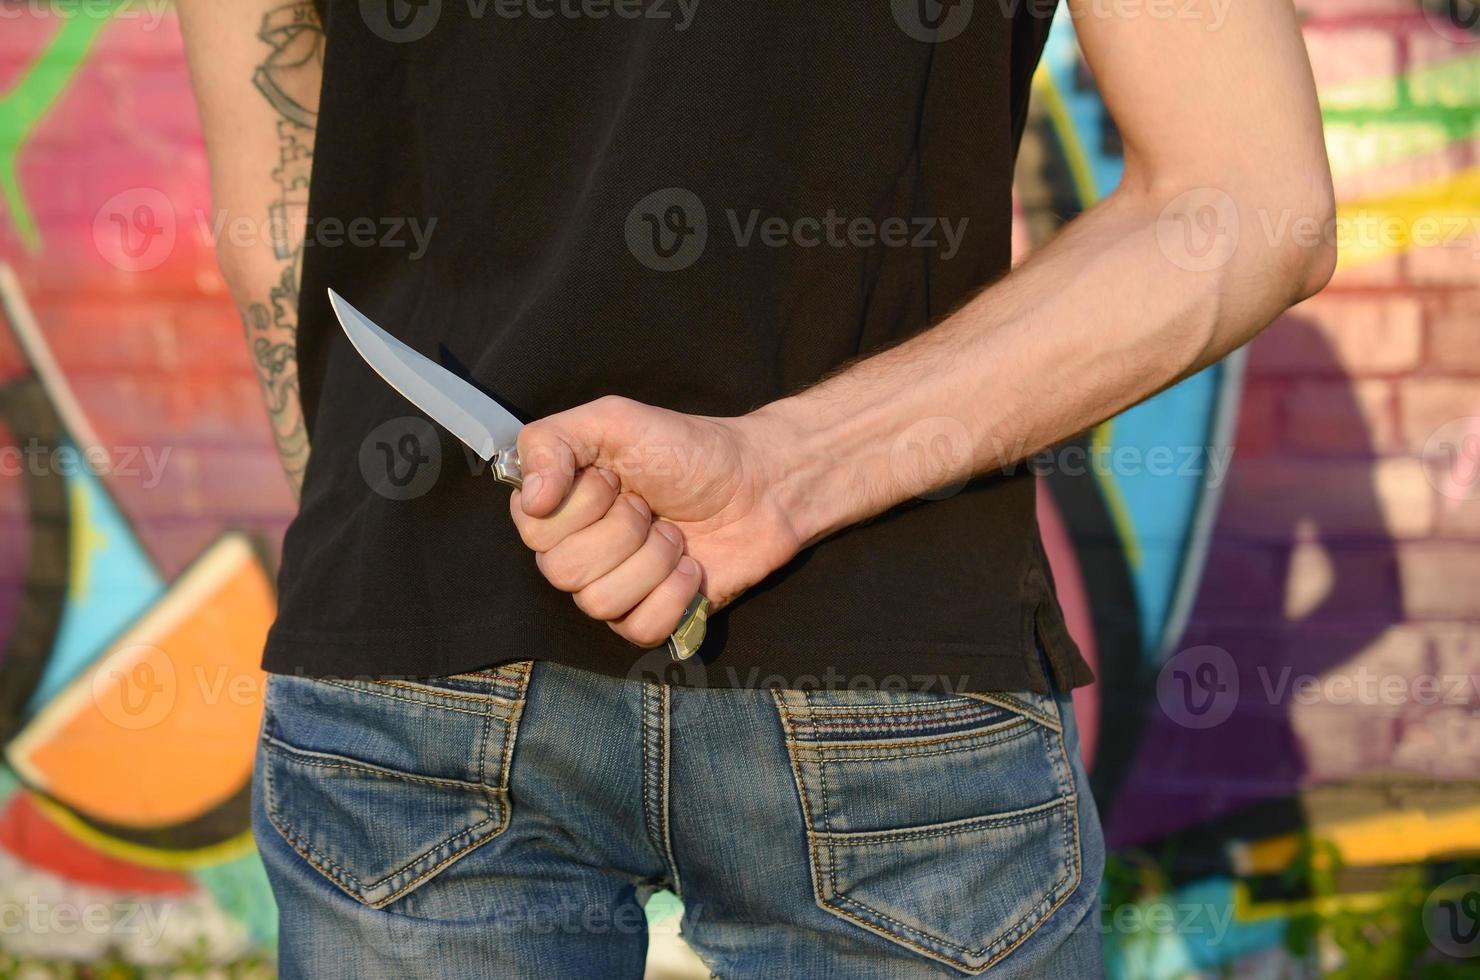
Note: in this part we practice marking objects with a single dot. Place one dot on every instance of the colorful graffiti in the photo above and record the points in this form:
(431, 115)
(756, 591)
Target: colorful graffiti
(123, 814)
(1234, 825)
(1320, 519)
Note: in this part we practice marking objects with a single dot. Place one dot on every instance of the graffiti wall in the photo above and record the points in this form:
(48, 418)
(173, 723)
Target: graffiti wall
(1275, 566)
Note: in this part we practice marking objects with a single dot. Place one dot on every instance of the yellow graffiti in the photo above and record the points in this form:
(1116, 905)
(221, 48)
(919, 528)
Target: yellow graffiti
(151, 857)
(87, 540)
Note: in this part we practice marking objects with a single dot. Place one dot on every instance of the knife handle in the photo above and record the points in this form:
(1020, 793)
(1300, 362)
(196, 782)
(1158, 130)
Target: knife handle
(689, 636)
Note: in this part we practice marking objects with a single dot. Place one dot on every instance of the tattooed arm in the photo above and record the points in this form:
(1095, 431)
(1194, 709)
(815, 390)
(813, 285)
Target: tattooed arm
(256, 66)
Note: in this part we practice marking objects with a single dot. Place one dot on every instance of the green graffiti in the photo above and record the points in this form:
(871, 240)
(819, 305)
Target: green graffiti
(29, 100)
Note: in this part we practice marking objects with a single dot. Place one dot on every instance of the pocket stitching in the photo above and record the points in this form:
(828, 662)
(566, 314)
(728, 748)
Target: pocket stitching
(338, 873)
(1038, 912)
(936, 707)
(1015, 705)
(835, 903)
(437, 692)
(323, 761)
(990, 821)
(495, 795)
(424, 701)
(995, 735)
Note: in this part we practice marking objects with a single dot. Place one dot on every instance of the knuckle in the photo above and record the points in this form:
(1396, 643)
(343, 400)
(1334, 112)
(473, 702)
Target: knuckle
(596, 605)
(538, 537)
(613, 404)
(635, 527)
(645, 635)
(670, 549)
(558, 572)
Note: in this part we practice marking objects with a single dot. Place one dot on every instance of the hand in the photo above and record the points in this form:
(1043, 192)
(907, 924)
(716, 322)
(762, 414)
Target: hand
(635, 509)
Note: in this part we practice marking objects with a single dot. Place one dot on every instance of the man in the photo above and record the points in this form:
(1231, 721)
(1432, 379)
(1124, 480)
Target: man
(745, 268)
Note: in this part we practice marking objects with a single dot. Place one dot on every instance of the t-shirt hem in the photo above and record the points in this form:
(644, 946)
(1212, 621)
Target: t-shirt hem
(902, 664)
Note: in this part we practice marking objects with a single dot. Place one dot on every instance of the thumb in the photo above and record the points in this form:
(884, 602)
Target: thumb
(551, 452)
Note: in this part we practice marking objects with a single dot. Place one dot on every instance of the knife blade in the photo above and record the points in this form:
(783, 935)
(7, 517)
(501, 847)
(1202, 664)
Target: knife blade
(481, 423)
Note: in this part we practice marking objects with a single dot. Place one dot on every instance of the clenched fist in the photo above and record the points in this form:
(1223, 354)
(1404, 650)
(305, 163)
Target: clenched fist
(634, 509)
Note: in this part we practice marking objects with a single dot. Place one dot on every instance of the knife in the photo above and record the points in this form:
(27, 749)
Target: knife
(481, 423)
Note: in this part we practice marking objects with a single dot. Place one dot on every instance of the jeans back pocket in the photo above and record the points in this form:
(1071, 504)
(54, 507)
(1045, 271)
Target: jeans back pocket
(946, 823)
(382, 784)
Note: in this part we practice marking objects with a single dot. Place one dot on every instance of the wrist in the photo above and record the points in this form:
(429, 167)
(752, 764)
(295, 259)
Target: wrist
(812, 478)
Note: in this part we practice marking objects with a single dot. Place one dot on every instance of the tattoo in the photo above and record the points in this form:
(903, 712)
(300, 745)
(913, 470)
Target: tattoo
(289, 79)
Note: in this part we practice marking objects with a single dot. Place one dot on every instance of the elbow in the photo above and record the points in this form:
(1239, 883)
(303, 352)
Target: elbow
(1306, 260)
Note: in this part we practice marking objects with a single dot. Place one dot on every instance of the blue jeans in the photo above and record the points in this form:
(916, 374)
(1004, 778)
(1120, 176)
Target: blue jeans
(512, 822)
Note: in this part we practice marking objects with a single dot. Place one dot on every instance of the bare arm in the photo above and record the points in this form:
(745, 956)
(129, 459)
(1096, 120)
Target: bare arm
(1209, 237)
(1205, 242)
(256, 66)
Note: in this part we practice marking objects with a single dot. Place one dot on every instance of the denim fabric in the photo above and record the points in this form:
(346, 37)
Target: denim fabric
(510, 823)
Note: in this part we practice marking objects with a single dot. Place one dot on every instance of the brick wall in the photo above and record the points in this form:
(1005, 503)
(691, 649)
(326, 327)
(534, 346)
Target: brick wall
(1347, 541)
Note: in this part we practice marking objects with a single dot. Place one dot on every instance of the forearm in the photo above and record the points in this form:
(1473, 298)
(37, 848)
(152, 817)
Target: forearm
(1097, 321)
(1207, 240)
(256, 72)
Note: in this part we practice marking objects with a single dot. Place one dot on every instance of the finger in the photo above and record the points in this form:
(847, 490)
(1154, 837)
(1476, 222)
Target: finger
(591, 552)
(588, 501)
(616, 592)
(653, 619)
(550, 466)
(553, 450)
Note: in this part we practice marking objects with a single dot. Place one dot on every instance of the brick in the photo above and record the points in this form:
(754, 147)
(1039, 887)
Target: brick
(1355, 68)
(1377, 159)
(1454, 341)
(1241, 578)
(1338, 742)
(240, 482)
(208, 335)
(25, 35)
(1260, 420)
(1443, 71)
(1376, 679)
(1348, 335)
(1321, 582)
(1440, 579)
(1342, 500)
(93, 335)
(1384, 271)
(1432, 408)
(1443, 743)
(1457, 655)
(1341, 417)
(142, 32)
(1346, 10)
(1454, 263)
(175, 540)
(1459, 509)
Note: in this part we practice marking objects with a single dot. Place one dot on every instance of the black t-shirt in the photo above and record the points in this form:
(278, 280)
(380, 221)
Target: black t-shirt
(705, 207)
